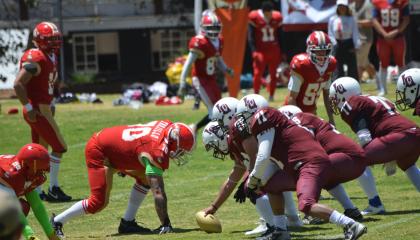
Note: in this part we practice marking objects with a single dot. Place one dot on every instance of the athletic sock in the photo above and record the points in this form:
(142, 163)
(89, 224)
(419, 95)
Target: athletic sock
(263, 208)
(367, 182)
(137, 195)
(413, 173)
(54, 168)
(382, 80)
(72, 212)
(280, 221)
(203, 122)
(340, 194)
(289, 204)
(340, 219)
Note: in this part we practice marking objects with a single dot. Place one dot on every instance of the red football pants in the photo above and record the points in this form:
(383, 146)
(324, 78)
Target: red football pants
(396, 47)
(260, 62)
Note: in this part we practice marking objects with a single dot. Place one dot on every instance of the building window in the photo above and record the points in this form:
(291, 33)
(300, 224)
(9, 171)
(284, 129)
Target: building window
(169, 44)
(98, 52)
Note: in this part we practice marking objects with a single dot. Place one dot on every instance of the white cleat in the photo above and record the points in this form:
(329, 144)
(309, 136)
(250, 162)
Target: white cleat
(260, 229)
(371, 210)
(354, 231)
(294, 221)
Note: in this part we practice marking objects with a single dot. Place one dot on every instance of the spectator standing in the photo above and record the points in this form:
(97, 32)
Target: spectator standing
(344, 34)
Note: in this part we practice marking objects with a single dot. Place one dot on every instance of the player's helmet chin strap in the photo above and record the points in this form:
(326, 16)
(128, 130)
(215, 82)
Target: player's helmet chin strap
(179, 156)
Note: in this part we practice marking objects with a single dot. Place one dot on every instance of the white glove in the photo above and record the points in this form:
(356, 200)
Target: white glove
(364, 137)
(164, 229)
(390, 168)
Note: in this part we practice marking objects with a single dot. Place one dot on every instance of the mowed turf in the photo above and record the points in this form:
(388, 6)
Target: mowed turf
(192, 187)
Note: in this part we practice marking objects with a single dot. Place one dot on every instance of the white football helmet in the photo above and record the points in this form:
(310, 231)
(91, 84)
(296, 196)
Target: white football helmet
(249, 104)
(341, 90)
(224, 110)
(408, 89)
(214, 137)
(290, 110)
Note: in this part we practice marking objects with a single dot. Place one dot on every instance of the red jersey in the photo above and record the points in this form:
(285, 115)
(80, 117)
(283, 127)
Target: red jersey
(204, 68)
(15, 175)
(390, 15)
(330, 139)
(379, 112)
(122, 145)
(40, 88)
(292, 142)
(266, 38)
(312, 80)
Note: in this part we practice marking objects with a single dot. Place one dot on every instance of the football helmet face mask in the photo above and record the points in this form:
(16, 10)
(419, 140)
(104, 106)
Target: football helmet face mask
(181, 142)
(341, 90)
(210, 25)
(319, 47)
(290, 110)
(408, 89)
(248, 105)
(47, 37)
(34, 158)
(214, 137)
(224, 110)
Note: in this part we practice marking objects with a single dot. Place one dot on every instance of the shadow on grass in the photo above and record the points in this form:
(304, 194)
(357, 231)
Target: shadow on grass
(71, 201)
(401, 212)
(176, 230)
(370, 219)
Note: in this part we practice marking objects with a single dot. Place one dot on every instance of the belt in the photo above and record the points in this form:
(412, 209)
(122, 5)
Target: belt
(298, 165)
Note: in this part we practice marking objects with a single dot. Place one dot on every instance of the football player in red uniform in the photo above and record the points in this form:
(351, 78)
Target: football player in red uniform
(311, 74)
(390, 19)
(384, 134)
(141, 151)
(34, 86)
(408, 91)
(204, 57)
(274, 137)
(263, 40)
(21, 174)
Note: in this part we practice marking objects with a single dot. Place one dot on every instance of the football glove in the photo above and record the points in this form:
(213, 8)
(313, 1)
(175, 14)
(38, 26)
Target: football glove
(390, 168)
(240, 195)
(253, 185)
(164, 229)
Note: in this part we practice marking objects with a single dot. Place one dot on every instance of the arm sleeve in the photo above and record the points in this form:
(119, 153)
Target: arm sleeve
(251, 39)
(331, 31)
(150, 168)
(221, 63)
(39, 211)
(192, 56)
(265, 143)
(294, 83)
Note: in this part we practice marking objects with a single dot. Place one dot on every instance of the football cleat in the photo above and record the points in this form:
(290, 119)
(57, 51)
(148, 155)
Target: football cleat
(294, 221)
(354, 214)
(55, 194)
(275, 233)
(43, 196)
(371, 210)
(354, 231)
(308, 220)
(260, 229)
(131, 227)
(58, 227)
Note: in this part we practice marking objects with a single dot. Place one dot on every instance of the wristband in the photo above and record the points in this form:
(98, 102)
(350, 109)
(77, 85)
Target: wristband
(28, 107)
(214, 206)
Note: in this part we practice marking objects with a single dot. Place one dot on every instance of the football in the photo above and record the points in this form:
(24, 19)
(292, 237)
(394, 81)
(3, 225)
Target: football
(209, 223)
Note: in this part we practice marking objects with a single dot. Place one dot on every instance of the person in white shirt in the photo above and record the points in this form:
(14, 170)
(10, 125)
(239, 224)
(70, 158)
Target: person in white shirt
(344, 34)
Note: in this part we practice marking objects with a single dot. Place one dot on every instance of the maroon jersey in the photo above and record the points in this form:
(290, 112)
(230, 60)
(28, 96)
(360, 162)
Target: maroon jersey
(205, 67)
(292, 142)
(237, 153)
(390, 15)
(122, 145)
(313, 81)
(265, 32)
(330, 139)
(15, 175)
(40, 88)
(379, 112)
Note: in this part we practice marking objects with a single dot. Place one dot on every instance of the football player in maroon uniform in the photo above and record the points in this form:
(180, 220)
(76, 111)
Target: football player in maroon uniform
(311, 74)
(22, 173)
(141, 151)
(263, 40)
(34, 87)
(408, 91)
(390, 19)
(273, 137)
(204, 57)
(384, 134)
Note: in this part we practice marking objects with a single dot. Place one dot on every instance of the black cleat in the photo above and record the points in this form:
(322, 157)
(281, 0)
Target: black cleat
(57, 195)
(57, 226)
(131, 227)
(275, 233)
(43, 196)
(354, 214)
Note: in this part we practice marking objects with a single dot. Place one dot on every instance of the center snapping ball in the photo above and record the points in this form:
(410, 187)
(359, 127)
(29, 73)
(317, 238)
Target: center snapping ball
(209, 223)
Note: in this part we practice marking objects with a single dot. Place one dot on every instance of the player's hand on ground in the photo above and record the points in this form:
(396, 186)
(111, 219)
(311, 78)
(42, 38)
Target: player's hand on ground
(164, 229)
(240, 195)
(32, 115)
(209, 210)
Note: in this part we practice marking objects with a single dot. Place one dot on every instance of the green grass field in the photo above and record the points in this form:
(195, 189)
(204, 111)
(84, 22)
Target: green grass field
(192, 187)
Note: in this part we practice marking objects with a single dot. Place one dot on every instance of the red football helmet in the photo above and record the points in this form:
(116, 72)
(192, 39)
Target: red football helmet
(210, 25)
(319, 47)
(47, 37)
(34, 157)
(181, 141)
